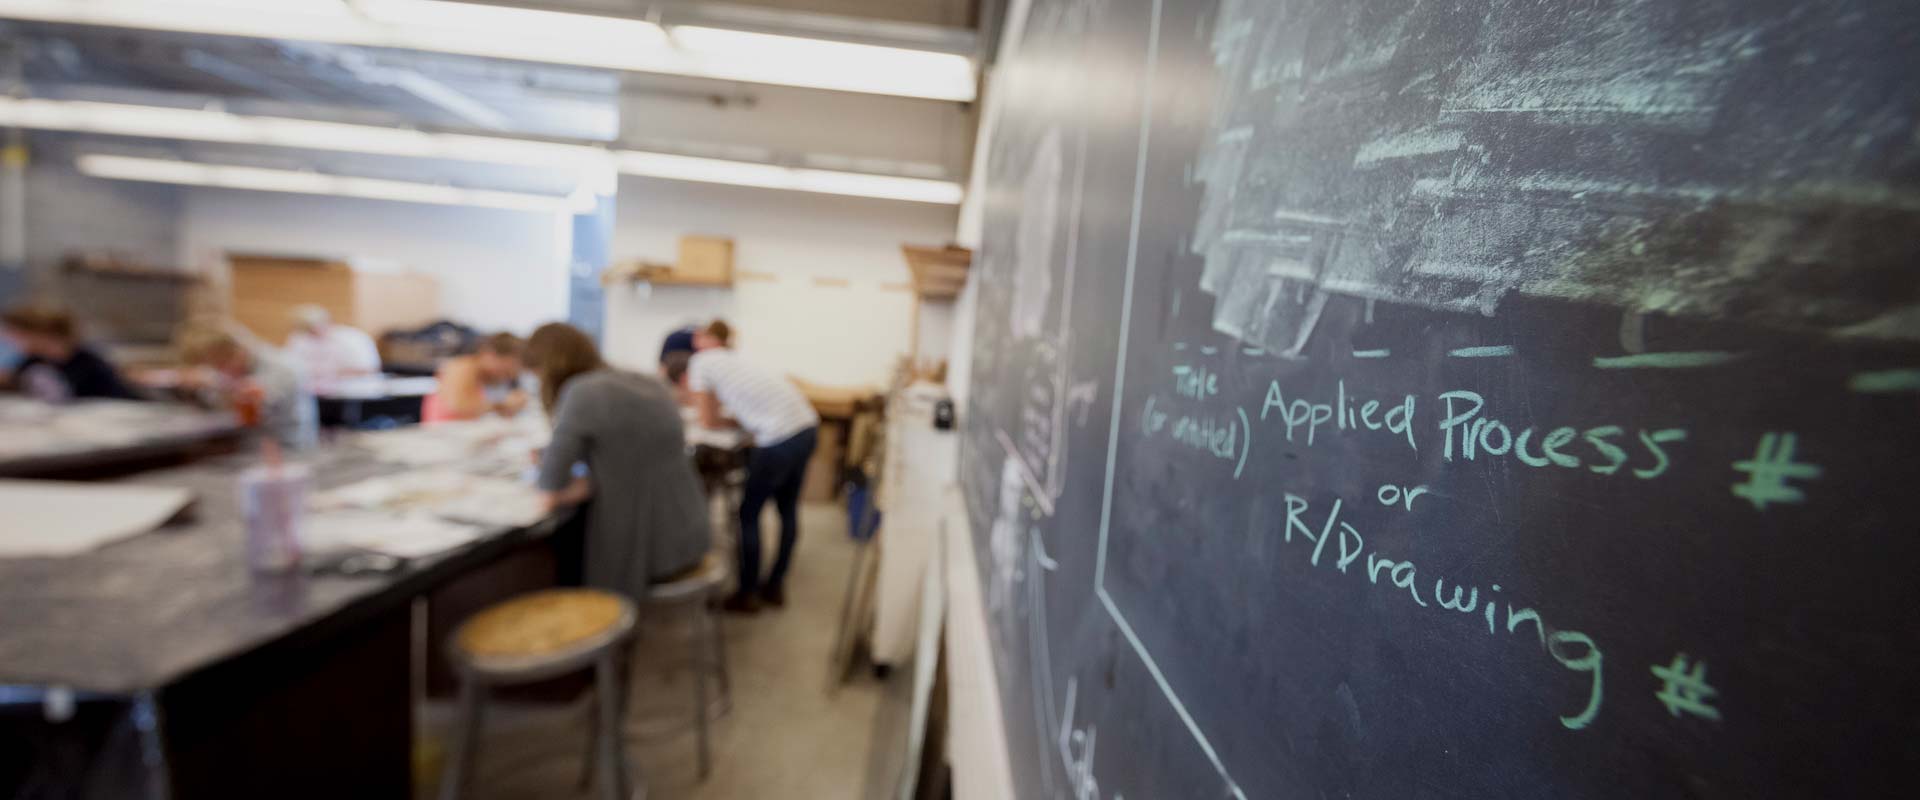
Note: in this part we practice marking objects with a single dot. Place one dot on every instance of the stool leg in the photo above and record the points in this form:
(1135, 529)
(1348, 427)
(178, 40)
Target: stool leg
(613, 751)
(466, 750)
(587, 760)
(717, 639)
(700, 627)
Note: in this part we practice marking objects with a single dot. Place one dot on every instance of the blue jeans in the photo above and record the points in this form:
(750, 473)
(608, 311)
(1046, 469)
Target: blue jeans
(774, 472)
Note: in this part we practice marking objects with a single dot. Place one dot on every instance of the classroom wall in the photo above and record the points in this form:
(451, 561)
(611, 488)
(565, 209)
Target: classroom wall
(67, 211)
(792, 319)
(496, 269)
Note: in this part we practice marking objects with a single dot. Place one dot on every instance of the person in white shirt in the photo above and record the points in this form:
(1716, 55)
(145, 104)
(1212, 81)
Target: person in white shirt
(329, 353)
(784, 429)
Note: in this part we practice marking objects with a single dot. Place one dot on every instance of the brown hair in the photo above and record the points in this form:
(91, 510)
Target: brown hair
(199, 343)
(720, 330)
(557, 352)
(503, 344)
(40, 320)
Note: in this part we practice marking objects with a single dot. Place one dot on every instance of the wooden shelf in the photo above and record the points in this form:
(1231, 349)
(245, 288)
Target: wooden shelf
(938, 272)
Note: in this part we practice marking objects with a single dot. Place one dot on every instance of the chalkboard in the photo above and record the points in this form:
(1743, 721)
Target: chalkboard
(1452, 399)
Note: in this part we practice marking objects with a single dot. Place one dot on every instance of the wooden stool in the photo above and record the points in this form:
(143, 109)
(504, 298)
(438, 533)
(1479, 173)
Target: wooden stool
(535, 637)
(696, 590)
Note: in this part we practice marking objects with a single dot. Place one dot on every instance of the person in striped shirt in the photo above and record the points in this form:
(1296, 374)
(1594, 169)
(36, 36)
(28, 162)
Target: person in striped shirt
(784, 429)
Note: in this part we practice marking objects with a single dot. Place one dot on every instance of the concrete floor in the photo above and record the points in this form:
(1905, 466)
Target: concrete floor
(788, 733)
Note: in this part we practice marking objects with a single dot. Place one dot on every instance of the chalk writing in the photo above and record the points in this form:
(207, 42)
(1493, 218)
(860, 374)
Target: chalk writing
(1572, 650)
(1389, 494)
(1077, 749)
(1228, 440)
(1684, 690)
(1771, 467)
(1495, 351)
(1198, 383)
(1347, 413)
(1686, 360)
(1381, 353)
(1470, 433)
(1885, 381)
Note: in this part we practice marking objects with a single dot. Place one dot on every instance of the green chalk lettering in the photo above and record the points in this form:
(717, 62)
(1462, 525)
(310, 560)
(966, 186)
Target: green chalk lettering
(1439, 593)
(1588, 663)
(1616, 456)
(1506, 438)
(1557, 439)
(1366, 414)
(1404, 426)
(1374, 564)
(1296, 505)
(1405, 581)
(1325, 533)
(1514, 618)
(1274, 400)
(1520, 451)
(1452, 420)
(1652, 442)
(1348, 556)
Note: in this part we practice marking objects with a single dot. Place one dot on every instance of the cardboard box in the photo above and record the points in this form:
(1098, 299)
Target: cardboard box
(704, 260)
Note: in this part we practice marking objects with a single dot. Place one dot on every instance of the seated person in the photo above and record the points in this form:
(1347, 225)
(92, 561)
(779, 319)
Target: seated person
(262, 390)
(474, 385)
(785, 429)
(56, 366)
(648, 522)
(329, 352)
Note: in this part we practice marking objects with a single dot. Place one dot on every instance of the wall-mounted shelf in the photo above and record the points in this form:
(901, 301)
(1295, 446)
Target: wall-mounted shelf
(938, 272)
(704, 261)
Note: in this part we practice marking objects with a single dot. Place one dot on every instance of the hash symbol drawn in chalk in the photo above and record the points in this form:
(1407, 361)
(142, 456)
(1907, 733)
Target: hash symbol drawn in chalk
(1771, 467)
(1686, 690)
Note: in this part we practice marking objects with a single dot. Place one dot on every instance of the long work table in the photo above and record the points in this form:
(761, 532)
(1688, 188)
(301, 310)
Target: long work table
(161, 666)
(90, 438)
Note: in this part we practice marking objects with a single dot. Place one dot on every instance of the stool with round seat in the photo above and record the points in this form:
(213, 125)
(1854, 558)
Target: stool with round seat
(538, 636)
(695, 590)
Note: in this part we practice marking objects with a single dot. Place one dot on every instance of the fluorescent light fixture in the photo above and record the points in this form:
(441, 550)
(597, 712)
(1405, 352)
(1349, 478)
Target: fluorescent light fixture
(190, 173)
(823, 64)
(589, 162)
(203, 125)
(526, 34)
(774, 176)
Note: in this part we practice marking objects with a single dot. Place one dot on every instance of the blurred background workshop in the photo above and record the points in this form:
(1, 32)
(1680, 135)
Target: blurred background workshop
(389, 387)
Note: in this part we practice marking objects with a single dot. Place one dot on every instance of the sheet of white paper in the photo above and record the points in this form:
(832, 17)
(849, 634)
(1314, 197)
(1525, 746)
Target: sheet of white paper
(401, 535)
(52, 518)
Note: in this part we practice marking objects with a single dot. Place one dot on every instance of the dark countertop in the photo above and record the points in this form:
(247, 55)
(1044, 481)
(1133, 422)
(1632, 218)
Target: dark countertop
(140, 613)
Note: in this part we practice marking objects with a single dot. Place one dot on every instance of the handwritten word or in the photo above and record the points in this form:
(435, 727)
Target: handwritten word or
(1346, 412)
(1470, 433)
(1389, 494)
(1684, 691)
(1572, 650)
(1771, 467)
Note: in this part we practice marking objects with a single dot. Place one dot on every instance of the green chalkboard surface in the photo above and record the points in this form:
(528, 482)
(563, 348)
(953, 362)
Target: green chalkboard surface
(1452, 399)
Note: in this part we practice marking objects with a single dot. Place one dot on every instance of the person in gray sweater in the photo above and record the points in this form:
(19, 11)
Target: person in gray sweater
(647, 517)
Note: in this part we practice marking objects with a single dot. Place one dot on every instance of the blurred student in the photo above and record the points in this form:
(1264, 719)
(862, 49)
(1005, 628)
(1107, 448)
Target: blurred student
(253, 381)
(647, 521)
(484, 382)
(785, 430)
(327, 351)
(55, 366)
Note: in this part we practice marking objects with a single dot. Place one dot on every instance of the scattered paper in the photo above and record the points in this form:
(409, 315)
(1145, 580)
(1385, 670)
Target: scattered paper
(54, 518)
(444, 493)
(398, 535)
